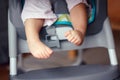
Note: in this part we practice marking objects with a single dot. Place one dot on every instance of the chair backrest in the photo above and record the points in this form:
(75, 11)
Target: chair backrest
(15, 9)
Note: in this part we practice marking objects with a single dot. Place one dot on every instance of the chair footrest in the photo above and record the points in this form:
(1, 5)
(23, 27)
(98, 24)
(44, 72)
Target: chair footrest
(85, 72)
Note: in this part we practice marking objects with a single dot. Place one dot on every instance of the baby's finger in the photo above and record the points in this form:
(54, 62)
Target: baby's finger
(70, 38)
(78, 42)
(73, 40)
(67, 33)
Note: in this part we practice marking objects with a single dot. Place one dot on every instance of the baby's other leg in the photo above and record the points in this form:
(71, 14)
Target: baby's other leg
(36, 47)
(35, 14)
(78, 16)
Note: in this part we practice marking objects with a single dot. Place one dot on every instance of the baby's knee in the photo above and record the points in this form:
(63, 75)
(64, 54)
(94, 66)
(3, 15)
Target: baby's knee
(73, 3)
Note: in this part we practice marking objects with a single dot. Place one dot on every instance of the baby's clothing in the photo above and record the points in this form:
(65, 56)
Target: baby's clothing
(42, 9)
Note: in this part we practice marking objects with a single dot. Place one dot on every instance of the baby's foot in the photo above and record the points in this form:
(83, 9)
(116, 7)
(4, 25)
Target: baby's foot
(74, 36)
(39, 50)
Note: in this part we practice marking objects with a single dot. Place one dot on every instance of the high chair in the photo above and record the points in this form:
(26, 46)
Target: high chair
(98, 34)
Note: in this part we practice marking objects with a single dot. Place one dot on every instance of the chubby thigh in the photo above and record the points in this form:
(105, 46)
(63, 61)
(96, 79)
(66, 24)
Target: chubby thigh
(38, 9)
(73, 3)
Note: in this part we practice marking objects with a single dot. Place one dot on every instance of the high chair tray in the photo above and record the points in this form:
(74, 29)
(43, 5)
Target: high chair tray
(85, 72)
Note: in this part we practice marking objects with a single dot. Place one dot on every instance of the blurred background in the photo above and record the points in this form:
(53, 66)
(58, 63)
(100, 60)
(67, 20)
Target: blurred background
(114, 15)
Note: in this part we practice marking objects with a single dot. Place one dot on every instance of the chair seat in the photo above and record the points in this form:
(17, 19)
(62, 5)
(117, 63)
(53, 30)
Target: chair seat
(85, 72)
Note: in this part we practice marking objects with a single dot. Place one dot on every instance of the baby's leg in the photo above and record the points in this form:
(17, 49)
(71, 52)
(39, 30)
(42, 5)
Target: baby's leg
(35, 14)
(37, 48)
(78, 16)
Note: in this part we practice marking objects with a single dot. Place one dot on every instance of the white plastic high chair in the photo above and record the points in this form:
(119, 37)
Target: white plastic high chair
(99, 34)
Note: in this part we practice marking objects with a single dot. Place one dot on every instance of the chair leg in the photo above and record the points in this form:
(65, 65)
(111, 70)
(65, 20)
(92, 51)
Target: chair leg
(110, 42)
(113, 57)
(12, 36)
(13, 66)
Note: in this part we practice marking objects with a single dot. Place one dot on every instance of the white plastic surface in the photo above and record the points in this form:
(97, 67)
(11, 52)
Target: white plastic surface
(60, 31)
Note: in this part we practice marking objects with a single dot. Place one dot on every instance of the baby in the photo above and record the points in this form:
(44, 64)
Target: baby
(38, 13)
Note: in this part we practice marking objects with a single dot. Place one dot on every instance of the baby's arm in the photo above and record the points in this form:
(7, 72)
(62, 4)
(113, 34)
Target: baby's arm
(78, 16)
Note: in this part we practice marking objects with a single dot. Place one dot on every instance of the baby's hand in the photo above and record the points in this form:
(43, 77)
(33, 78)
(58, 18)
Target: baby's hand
(74, 36)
